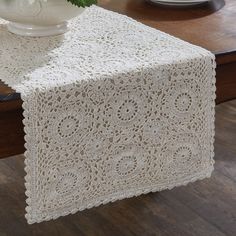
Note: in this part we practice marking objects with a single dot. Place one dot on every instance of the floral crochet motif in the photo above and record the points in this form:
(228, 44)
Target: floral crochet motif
(113, 109)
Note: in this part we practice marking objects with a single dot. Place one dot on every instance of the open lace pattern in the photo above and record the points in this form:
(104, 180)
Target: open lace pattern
(112, 109)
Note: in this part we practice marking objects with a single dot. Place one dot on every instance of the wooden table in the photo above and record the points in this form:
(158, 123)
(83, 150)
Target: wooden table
(212, 26)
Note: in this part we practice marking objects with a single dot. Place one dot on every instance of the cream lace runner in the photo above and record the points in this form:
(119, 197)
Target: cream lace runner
(112, 109)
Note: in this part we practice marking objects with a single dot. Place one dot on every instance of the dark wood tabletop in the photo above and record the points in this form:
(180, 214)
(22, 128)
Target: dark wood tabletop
(211, 25)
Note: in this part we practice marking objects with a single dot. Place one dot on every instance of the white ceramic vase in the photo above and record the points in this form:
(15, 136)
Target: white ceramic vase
(40, 18)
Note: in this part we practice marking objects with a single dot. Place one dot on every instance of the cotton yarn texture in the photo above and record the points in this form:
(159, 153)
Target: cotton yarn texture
(112, 109)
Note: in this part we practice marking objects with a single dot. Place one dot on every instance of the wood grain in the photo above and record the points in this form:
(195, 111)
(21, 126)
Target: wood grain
(211, 26)
(11, 133)
(204, 208)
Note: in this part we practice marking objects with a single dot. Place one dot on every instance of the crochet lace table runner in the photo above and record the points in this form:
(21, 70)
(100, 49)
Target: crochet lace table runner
(112, 109)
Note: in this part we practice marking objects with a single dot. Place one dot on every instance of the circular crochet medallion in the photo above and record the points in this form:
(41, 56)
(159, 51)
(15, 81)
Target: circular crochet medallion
(127, 162)
(183, 101)
(182, 155)
(66, 183)
(155, 132)
(126, 165)
(127, 109)
(180, 102)
(68, 125)
(76, 178)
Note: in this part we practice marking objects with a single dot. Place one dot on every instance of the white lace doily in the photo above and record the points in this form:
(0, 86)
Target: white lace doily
(112, 109)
